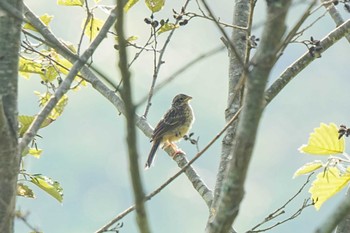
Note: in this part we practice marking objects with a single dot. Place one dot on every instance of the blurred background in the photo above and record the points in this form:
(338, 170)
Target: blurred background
(85, 148)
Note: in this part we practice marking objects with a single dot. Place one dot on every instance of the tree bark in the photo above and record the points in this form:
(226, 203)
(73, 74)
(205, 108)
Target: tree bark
(232, 190)
(240, 18)
(9, 157)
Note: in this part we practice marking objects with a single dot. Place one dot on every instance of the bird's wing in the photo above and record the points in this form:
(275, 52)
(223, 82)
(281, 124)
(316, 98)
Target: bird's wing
(172, 119)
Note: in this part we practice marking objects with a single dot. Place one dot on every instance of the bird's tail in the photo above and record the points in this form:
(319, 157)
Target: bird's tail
(152, 154)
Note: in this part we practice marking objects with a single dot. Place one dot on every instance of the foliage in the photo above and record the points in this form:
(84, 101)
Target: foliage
(335, 173)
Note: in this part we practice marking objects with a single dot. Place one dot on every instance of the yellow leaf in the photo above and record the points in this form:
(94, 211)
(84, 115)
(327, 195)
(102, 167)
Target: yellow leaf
(308, 168)
(167, 27)
(324, 141)
(327, 184)
(70, 46)
(70, 2)
(155, 5)
(129, 4)
(50, 73)
(46, 19)
(58, 109)
(35, 152)
(93, 27)
(24, 191)
(131, 38)
(48, 185)
(26, 67)
(26, 121)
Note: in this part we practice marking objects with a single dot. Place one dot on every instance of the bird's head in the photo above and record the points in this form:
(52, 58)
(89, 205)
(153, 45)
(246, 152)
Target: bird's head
(181, 99)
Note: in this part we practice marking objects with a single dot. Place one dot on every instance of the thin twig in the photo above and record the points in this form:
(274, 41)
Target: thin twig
(230, 43)
(160, 63)
(203, 16)
(280, 210)
(182, 69)
(89, 15)
(292, 33)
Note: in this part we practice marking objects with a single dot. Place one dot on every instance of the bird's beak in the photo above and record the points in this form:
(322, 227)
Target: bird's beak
(188, 98)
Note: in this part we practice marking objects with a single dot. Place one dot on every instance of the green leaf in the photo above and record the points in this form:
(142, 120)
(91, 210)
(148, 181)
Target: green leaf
(24, 191)
(324, 141)
(46, 19)
(155, 5)
(167, 27)
(93, 27)
(327, 184)
(308, 168)
(129, 4)
(70, 2)
(51, 187)
(26, 121)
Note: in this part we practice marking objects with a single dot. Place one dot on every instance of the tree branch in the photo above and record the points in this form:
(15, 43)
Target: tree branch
(241, 16)
(262, 63)
(333, 12)
(295, 68)
(10, 35)
(126, 94)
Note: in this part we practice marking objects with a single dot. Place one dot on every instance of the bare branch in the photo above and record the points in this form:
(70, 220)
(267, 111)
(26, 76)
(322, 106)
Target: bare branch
(191, 63)
(295, 68)
(281, 210)
(333, 12)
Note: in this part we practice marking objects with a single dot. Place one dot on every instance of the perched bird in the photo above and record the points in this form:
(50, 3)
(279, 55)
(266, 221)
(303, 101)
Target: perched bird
(175, 124)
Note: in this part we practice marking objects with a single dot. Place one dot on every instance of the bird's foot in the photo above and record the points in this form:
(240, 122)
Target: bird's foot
(174, 148)
(178, 151)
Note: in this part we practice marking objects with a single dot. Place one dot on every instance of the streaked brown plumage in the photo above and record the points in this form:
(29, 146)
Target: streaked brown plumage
(175, 124)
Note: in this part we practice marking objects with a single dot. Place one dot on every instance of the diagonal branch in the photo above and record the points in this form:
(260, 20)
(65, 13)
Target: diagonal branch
(295, 68)
(333, 12)
(65, 85)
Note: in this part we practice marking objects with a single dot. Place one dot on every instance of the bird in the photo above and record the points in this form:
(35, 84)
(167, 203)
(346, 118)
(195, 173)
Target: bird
(174, 125)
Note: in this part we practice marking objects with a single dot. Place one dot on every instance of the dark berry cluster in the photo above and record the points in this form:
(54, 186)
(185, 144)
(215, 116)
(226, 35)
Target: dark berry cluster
(253, 41)
(314, 47)
(343, 130)
(155, 23)
(180, 17)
